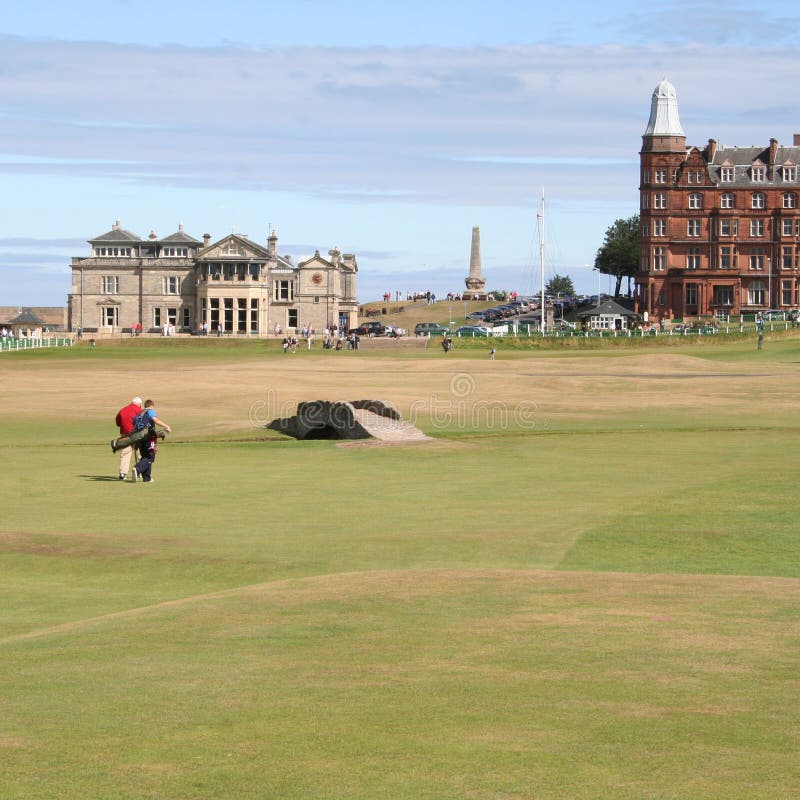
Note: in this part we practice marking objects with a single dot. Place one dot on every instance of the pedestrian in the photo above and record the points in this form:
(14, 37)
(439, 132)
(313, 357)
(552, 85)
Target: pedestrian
(124, 421)
(149, 445)
(491, 354)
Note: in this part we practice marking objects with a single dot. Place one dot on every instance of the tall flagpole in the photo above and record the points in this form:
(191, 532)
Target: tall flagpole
(541, 264)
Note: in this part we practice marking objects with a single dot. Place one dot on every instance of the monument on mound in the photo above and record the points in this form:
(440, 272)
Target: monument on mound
(476, 283)
(359, 419)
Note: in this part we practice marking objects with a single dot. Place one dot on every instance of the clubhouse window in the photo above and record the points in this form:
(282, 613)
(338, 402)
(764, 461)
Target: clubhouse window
(790, 200)
(110, 284)
(789, 173)
(171, 285)
(758, 200)
(693, 227)
(695, 200)
(726, 200)
(726, 174)
(284, 291)
(693, 258)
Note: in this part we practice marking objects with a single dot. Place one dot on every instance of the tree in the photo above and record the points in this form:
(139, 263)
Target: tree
(559, 284)
(619, 255)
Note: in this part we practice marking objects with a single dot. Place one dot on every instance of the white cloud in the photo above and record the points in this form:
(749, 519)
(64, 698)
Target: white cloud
(395, 150)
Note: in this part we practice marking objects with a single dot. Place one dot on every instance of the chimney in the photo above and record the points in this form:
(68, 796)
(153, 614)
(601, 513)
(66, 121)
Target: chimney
(712, 150)
(797, 140)
(152, 235)
(116, 226)
(773, 151)
(206, 239)
(272, 245)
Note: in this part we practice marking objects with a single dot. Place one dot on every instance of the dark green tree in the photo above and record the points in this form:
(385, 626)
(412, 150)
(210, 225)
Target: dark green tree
(619, 255)
(559, 284)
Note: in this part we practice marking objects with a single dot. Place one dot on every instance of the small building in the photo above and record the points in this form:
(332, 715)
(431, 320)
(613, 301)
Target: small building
(607, 316)
(26, 325)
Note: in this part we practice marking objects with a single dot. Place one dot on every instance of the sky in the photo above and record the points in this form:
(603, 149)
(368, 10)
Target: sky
(385, 130)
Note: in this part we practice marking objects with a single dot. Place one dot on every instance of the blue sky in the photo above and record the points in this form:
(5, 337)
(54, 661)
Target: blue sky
(386, 131)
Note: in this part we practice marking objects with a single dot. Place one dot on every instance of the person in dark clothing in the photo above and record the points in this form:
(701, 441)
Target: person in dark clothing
(149, 445)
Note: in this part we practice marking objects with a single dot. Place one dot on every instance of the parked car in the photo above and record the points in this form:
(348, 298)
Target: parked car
(395, 331)
(472, 330)
(430, 329)
(476, 315)
(370, 329)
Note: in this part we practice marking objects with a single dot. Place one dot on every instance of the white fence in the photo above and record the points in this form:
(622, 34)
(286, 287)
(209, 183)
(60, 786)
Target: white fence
(11, 345)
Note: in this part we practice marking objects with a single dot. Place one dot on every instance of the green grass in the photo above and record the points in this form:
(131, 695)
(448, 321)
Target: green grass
(595, 608)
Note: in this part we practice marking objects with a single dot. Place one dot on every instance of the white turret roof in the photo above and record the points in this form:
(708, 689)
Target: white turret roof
(664, 119)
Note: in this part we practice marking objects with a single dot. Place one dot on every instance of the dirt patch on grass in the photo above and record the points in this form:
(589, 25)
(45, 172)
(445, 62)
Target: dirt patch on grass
(548, 597)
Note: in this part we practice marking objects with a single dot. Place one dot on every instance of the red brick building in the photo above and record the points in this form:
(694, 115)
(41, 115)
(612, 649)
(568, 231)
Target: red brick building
(720, 225)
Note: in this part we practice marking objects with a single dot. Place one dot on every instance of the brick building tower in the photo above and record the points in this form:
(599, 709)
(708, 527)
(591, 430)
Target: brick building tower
(720, 226)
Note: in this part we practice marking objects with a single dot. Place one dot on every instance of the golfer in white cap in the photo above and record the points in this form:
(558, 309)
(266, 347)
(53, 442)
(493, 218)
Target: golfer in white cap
(124, 421)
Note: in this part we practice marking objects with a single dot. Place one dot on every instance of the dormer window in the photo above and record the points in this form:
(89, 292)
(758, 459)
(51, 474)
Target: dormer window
(233, 249)
(758, 173)
(726, 174)
(789, 173)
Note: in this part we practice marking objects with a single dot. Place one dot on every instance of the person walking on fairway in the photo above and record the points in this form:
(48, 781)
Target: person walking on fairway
(149, 445)
(124, 421)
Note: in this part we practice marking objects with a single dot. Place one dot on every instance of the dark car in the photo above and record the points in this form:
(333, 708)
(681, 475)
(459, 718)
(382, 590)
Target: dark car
(370, 329)
(473, 330)
(430, 329)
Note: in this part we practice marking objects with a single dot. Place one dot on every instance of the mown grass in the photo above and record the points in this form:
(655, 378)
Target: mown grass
(592, 608)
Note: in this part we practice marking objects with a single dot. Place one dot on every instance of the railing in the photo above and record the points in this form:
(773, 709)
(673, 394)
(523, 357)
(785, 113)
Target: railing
(9, 344)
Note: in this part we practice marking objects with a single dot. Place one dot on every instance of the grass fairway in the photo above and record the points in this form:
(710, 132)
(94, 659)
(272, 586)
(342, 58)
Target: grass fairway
(587, 586)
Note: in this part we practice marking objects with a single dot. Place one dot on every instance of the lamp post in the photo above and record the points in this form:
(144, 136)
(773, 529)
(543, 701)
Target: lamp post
(599, 279)
(769, 282)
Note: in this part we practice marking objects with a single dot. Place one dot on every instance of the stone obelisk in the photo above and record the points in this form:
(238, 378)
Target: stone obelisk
(476, 283)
